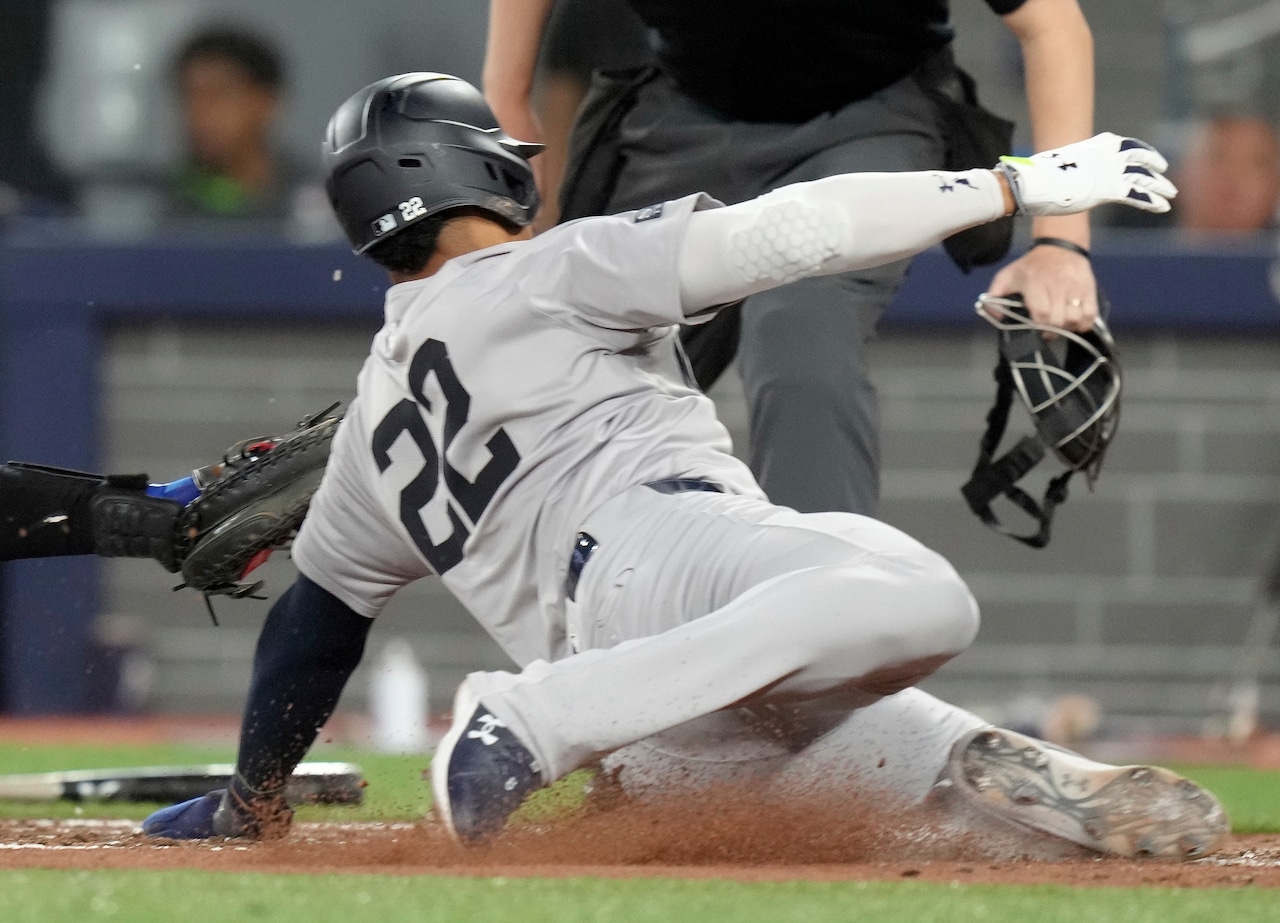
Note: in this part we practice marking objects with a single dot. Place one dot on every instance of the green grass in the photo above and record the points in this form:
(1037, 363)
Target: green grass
(1251, 796)
(396, 791)
(141, 897)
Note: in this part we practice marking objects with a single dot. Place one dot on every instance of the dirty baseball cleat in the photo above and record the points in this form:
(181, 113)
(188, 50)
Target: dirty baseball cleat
(1131, 811)
(221, 813)
(190, 820)
(481, 772)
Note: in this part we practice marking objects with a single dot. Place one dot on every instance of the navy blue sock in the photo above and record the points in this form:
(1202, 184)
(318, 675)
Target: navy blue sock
(310, 645)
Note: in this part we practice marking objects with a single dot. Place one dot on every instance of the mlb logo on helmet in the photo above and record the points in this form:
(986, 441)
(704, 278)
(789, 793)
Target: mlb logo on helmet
(384, 225)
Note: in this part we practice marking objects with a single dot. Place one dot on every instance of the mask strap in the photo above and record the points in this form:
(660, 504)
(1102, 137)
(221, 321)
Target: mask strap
(991, 479)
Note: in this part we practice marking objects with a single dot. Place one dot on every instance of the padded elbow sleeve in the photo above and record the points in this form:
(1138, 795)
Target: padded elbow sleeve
(836, 224)
(787, 240)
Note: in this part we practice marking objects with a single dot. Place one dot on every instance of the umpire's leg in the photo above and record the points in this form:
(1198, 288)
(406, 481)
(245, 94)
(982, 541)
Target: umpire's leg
(814, 414)
(813, 409)
(815, 424)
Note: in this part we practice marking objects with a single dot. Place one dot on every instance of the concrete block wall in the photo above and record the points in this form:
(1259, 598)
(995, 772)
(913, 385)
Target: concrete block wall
(1143, 599)
(1147, 592)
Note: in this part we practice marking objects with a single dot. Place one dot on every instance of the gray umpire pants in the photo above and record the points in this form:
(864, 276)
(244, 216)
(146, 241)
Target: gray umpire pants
(814, 413)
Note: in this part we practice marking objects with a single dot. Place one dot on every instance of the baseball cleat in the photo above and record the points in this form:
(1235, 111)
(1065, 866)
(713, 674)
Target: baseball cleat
(190, 820)
(481, 772)
(221, 813)
(1131, 811)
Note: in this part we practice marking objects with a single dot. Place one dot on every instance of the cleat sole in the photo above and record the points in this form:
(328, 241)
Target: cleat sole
(1132, 811)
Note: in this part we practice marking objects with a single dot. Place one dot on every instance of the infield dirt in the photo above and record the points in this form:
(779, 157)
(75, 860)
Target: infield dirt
(631, 844)
(726, 837)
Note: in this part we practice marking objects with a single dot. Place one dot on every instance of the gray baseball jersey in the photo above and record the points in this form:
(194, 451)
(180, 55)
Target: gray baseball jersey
(505, 398)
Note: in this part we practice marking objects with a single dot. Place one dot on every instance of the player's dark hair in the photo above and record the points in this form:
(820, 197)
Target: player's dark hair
(259, 59)
(408, 250)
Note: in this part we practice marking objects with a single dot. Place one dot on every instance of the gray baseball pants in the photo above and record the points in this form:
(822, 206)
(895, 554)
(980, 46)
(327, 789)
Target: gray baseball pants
(698, 602)
(814, 413)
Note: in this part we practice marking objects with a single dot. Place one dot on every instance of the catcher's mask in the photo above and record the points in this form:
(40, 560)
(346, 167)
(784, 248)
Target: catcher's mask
(414, 145)
(1070, 384)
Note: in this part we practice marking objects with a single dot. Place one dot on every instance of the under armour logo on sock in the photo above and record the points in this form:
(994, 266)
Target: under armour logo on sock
(484, 733)
(1069, 165)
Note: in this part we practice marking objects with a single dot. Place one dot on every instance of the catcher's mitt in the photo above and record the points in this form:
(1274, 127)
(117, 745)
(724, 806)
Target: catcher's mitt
(251, 503)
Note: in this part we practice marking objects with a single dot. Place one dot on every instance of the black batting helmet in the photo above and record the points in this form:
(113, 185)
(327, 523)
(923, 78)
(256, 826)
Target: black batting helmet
(411, 146)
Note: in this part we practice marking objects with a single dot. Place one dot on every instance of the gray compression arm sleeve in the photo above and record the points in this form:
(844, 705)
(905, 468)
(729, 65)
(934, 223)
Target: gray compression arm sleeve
(850, 221)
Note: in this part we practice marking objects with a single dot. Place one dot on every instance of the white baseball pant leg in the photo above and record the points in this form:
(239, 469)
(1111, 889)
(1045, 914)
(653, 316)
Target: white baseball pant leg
(696, 602)
(892, 751)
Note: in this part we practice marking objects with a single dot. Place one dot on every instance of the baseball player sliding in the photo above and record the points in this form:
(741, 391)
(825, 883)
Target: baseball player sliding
(526, 429)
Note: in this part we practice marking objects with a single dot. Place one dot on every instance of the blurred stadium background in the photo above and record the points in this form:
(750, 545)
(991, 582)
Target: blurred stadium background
(130, 347)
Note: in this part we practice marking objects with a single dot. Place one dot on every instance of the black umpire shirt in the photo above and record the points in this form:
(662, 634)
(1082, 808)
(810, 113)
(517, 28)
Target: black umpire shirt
(790, 60)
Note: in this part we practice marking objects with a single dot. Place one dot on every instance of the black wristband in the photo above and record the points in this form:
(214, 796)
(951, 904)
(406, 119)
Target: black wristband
(1062, 243)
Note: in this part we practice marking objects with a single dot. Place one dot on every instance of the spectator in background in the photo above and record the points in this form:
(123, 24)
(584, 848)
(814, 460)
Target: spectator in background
(1230, 176)
(29, 184)
(230, 82)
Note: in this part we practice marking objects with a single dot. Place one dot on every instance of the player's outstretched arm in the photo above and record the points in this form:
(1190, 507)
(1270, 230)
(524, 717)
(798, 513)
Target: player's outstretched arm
(215, 526)
(857, 220)
(50, 512)
(311, 643)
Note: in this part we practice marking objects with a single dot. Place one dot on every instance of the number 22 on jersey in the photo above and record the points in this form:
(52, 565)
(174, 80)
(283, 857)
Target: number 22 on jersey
(463, 496)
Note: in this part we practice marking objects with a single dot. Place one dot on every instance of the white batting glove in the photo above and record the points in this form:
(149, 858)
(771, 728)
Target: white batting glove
(1076, 177)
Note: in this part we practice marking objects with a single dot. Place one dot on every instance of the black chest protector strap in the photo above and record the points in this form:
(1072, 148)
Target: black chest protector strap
(993, 479)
